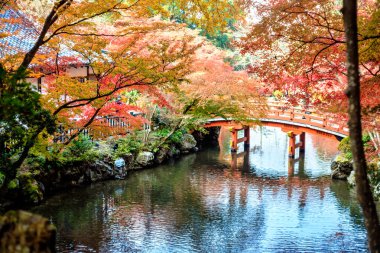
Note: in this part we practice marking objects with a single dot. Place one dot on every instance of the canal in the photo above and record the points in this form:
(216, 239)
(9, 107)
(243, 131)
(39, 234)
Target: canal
(259, 201)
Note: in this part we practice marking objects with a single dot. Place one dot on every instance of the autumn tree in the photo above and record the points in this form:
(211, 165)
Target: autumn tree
(300, 47)
(219, 90)
(353, 93)
(56, 29)
(213, 89)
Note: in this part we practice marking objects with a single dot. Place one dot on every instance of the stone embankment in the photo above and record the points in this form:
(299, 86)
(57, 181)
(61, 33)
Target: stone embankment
(34, 183)
(83, 172)
(343, 169)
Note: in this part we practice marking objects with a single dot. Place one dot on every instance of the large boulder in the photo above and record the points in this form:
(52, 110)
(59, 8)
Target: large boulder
(341, 168)
(104, 168)
(86, 172)
(162, 154)
(188, 143)
(145, 159)
(97, 171)
(22, 231)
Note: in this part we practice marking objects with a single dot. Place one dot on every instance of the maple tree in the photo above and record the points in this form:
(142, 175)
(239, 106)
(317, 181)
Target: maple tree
(66, 33)
(215, 85)
(299, 47)
(353, 93)
(128, 64)
(214, 89)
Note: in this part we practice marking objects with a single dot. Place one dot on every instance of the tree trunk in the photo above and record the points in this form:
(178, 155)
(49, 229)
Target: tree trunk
(353, 93)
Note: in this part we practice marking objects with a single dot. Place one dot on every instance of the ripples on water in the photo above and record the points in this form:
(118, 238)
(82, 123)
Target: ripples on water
(205, 202)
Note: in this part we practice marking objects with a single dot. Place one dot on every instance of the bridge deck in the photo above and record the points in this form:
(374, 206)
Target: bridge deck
(295, 118)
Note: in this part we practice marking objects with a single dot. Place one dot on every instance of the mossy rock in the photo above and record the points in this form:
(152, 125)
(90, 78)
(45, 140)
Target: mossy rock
(341, 158)
(22, 231)
(341, 168)
(187, 142)
(25, 189)
(145, 159)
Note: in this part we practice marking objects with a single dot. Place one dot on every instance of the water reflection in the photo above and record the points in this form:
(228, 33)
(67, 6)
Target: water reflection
(257, 201)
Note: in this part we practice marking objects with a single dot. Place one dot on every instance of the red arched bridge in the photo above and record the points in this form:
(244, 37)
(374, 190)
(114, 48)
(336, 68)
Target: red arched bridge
(293, 121)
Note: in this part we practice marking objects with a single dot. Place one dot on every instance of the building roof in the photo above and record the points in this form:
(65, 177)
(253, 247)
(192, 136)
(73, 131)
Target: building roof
(18, 34)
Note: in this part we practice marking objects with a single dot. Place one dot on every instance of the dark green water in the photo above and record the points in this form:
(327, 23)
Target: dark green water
(205, 203)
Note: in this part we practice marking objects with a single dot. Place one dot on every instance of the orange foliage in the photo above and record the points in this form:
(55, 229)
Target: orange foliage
(299, 49)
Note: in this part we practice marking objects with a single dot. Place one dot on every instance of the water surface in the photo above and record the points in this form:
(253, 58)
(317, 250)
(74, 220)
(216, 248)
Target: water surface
(259, 201)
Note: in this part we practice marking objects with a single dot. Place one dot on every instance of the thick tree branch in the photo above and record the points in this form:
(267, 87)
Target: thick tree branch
(89, 122)
(49, 21)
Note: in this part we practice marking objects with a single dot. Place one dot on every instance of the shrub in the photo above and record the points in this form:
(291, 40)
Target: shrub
(127, 145)
(348, 155)
(2, 179)
(13, 184)
(374, 174)
(345, 145)
(80, 145)
(31, 191)
(80, 149)
(161, 133)
(366, 138)
(174, 138)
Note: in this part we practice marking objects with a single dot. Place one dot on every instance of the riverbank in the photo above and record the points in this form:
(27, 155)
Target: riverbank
(89, 162)
(342, 166)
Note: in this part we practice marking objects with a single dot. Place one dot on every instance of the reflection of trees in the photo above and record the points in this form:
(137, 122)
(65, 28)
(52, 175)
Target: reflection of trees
(325, 147)
(268, 159)
(188, 204)
(345, 198)
(295, 179)
(80, 216)
(234, 224)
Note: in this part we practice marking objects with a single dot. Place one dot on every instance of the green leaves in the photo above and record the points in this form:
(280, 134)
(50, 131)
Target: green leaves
(2, 179)
(127, 145)
(20, 115)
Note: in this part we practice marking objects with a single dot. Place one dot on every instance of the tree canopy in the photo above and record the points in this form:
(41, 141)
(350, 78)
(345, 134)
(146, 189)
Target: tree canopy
(299, 47)
(121, 46)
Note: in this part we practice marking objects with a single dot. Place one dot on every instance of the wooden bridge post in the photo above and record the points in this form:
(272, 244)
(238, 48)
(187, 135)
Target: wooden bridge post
(302, 142)
(234, 161)
(234, 138)
(247, 136)
(291, 163)
(292, 144)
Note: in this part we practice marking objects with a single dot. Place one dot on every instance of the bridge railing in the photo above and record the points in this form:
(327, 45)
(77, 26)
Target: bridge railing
(308, 117)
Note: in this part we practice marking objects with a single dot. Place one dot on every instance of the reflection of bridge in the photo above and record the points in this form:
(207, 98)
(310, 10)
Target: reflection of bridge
(296, 179)
(293, 121)
(291, 163)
